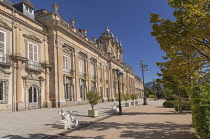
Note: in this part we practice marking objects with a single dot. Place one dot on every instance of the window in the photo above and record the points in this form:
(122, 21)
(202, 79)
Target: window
(82, 89)
(65, 62)
(33, 56)
(91, 69)
(28, 9)
(2, 46)
(2, 91)
(81, 65)
(68, 88)
(33, 52)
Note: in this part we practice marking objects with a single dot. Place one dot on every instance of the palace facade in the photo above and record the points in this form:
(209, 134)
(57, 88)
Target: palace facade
(47, 62)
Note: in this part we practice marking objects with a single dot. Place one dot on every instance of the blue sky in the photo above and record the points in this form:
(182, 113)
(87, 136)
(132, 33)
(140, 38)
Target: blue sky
(129, 20)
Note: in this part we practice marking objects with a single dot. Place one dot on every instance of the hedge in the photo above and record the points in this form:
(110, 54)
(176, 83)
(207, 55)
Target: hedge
(151, 96)
(201, 118)
(172, 103)
(184, 107)
(173, 97)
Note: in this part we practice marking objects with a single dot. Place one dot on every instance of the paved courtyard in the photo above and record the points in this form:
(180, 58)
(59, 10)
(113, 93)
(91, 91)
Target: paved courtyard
(146, 122)
(39, 122)
(139, 122)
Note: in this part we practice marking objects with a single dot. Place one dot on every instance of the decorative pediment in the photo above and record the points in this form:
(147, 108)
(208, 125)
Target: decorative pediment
(93, 61)
(3, 72)
(32, 37)
(68, 49)
(4, 25)
(82, 55)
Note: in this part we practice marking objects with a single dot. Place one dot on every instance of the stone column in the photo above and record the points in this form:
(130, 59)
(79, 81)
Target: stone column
(17, 40)
(96, 74)
(98, 78)
(111, 85)
(77, 82)
(60, 76)
(47, 102)
(103, 81)
(19, 85)
(88, 74)
(19, 94)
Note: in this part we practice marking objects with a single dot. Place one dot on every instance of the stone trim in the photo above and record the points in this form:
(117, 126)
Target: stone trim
(4, 25)
(32, 37)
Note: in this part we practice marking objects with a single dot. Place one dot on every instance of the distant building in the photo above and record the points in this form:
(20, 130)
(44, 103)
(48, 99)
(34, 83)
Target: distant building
(46, 62)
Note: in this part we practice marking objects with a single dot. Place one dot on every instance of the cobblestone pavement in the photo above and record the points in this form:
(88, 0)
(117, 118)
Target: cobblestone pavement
(39, 122)
(140, 122)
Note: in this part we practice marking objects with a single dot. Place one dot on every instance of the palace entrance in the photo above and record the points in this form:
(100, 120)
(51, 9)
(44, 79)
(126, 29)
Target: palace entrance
(33, 97)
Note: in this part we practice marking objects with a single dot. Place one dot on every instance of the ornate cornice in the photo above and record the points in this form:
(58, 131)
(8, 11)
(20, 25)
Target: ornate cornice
(4, 71)
(4, 25)
(32, 37)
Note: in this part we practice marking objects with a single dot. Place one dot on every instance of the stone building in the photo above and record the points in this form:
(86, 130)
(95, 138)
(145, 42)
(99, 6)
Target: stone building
(47, 62)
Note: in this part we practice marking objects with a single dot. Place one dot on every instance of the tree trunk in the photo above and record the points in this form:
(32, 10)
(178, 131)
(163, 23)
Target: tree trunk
(180, 101)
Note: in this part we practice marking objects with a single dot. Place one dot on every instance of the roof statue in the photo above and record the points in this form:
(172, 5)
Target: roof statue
(117, 39)
(107, 29)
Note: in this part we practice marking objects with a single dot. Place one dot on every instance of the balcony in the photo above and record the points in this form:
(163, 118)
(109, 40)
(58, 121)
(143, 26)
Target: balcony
(68, 72)
(94, 78)
(83, 75)
(33, 66)
(5, 60)
(115, 82)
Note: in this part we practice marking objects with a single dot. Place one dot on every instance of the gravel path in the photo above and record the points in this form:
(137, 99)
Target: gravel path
(139, 122)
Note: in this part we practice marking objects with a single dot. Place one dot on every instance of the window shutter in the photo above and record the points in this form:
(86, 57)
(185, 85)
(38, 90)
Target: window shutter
(30, 53)
(35, 53)
(2, 42)
(80, 65)
(66, 62)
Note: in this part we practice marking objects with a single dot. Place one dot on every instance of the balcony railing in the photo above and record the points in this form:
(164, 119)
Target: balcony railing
(4, 59)
(93, 77)
(114, 82)
(69, 72)
(33, 65)
(83, 75)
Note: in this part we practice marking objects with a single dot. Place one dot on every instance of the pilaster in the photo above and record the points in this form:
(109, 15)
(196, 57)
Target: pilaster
(103, 80)
(61, 97)
(19, 85)
(47, 102)
(77, 83)
(17, 40)
(88, 74)
(19, 94)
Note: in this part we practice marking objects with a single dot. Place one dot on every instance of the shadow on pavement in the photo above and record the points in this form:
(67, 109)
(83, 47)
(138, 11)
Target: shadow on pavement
(158, 135)
(145, 113)
(101, 126)
(31, 136)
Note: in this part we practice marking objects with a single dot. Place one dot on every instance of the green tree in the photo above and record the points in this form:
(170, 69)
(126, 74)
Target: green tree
(93, 98)
(134, 96)
(148, 91)
(187, 36)
(126, 97)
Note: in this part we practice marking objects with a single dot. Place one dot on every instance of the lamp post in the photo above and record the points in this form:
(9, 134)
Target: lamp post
(143, 67)
(119, 73)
